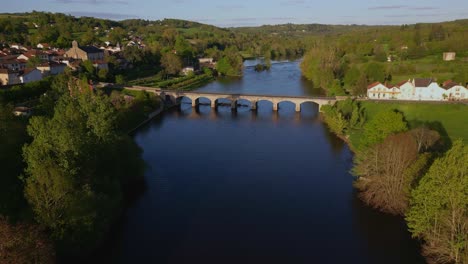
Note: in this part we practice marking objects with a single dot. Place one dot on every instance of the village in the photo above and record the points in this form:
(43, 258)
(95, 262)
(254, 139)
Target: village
(21, 65)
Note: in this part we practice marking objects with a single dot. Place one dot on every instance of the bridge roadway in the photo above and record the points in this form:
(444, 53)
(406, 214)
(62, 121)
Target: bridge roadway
(176, 96)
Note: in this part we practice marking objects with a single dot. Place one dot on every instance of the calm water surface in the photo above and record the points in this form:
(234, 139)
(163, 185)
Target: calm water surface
(252, 187)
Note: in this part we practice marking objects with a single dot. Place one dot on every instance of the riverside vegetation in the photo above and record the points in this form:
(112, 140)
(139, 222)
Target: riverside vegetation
(411, 168)
(67, 170)
(62, 182)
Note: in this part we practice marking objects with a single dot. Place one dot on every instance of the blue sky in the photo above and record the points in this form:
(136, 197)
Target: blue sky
(256, 12)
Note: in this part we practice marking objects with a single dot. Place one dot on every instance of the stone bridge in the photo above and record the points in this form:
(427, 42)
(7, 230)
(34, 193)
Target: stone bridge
(176, 97)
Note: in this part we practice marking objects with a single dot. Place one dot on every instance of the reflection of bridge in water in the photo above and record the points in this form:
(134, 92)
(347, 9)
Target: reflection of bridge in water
(214, 98)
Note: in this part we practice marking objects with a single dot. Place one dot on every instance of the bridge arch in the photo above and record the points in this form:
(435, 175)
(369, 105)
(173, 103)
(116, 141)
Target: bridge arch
(260, 102)
(296, 106)
(310, 105)
(202, 100)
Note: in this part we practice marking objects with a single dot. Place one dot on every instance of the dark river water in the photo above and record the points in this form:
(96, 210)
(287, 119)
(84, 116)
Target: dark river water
(252, 187)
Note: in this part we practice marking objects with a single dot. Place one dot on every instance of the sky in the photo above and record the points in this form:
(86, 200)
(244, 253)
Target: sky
(227, 13)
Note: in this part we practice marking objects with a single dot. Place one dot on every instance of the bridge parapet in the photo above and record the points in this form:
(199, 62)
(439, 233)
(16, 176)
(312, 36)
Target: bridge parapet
(252, 98)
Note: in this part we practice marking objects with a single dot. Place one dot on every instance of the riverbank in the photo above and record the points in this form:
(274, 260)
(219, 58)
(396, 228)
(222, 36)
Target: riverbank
(185, 83)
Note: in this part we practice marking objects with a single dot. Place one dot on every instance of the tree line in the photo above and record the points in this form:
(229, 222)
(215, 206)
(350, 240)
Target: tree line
(66, 171)
(410, 172)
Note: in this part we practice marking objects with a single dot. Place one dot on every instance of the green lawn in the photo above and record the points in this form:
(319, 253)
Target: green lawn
(453, 118)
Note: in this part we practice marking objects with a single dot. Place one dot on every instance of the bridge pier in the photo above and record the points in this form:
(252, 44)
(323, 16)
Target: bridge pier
(275, 106)
(213, 103)
(234, 105)
(254, 105)
(194, 103)
(298, 107)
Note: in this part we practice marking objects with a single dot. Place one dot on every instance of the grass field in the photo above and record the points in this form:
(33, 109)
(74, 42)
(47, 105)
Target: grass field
(451, 118)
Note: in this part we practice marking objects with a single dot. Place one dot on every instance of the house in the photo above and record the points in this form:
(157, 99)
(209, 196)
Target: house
(51, 68)
(13, 64)
(187, 70)
(30, 75)
(18, 47)
(22, 111)
(407, 90)
(84, 52)
(427, 89)
(377, 90)
(33, 53)
(207, 62)
(9, 77)
(100, 64)
(43, 46)
(424, 89)
(456, 93)
(449, 56)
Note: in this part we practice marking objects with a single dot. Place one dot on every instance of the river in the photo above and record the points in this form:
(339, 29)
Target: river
(252, 187)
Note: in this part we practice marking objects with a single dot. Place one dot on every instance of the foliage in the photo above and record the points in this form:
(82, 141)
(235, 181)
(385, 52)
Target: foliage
(344, 116)
(12, 137)
(171, 63)
(386, 172)
(439, 208)
(382, 125)
(26, 92)
(231, 63)
(76, 166)
(24, 243)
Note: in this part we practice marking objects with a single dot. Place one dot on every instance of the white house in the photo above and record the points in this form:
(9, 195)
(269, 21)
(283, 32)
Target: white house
(187, 70)
(456, 93)
(427, 89)
(418, 89)
(30, 75)
(51, 68)
(379, 91)
(406, 90)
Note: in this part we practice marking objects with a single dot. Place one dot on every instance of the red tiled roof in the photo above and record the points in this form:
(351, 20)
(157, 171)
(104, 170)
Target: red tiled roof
(401, 83)
(449, 84)
(422, 82)
(99, 62)
(372, 85)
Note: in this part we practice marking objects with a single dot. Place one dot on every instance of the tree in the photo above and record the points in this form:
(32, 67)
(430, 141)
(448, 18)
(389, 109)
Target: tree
(33, 62)
(439, 208)
(383, 124)
(77, 165)
(102, 74)
(425, 138)
(12, 137)
(335, 120)
(375, 72)
(171, 63)
(117, 35)
(24, 243)
(386, 172)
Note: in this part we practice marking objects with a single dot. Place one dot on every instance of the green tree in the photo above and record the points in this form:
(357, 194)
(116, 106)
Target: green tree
(375, 72)
(77, 165)
(171, 63)
(439, 208)
(33, 62)
(383, 124)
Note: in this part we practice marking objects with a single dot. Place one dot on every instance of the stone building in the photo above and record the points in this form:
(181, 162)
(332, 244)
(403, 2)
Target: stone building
(84, 53)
